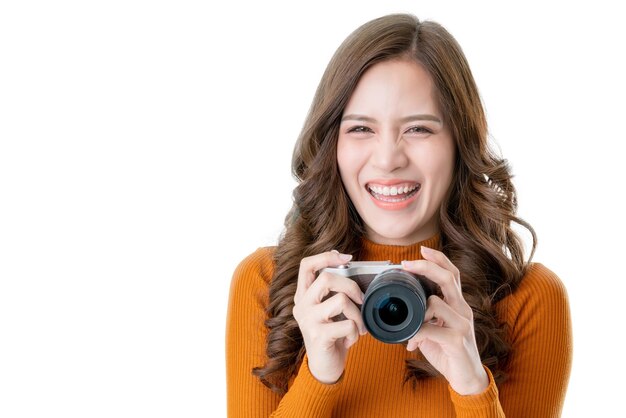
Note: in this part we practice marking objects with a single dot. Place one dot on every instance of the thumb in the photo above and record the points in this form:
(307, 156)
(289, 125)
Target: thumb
(343, 257)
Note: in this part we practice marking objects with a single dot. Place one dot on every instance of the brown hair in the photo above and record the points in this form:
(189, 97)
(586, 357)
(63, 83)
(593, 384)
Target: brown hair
(475, 217)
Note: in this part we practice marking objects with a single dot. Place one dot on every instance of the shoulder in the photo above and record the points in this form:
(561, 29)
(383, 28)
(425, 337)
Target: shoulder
(260, 262)
(540, 294)
(540, 280)
(253, 274)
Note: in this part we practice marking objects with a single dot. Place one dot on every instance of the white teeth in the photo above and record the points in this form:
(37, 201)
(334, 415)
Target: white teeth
(392, 191)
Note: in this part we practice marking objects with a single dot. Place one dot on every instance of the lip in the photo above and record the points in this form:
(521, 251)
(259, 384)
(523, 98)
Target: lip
(403, 204)
(390, 182)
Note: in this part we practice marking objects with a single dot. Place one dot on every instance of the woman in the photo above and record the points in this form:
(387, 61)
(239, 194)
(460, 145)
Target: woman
(393, 164)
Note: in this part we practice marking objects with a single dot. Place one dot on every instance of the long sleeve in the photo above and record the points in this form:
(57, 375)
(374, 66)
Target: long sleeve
(482, 405)
(245, 338)
(307, 397)
(538, 315)
(539, 322)
(245, 349)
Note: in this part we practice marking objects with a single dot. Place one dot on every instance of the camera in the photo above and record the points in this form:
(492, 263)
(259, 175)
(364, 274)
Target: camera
(395, 300)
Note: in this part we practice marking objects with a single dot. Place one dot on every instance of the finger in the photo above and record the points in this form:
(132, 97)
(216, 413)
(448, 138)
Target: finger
(339, 304)
(449, 284)
(327, 282)
(341, 329)
(428, 332)
(439, 258)
(445, 315)
(309, 266)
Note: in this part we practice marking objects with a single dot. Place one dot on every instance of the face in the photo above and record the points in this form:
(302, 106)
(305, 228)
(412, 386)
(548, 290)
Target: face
(395, 155)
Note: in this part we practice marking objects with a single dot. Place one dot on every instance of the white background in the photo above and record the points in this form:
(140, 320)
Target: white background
(145, 150)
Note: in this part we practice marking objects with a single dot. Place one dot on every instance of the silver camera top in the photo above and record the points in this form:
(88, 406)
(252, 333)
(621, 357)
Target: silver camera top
(359, 268)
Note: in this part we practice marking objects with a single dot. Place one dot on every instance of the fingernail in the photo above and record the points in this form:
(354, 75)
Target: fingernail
(345, 257)
(334, 251)
(426, 250)
(407, 264)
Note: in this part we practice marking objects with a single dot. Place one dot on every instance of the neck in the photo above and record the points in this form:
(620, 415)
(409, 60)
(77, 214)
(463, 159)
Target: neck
(376, 251)
(417, 236)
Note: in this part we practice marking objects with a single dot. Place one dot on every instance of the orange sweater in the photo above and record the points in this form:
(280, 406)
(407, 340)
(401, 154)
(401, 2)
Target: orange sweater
(372, 385)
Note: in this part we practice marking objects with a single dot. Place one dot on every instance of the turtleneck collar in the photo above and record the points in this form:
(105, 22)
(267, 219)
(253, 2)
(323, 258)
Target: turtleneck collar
(372, 251)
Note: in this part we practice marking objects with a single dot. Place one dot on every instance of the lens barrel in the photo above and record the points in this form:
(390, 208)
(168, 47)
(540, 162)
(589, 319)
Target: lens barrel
(394, 306)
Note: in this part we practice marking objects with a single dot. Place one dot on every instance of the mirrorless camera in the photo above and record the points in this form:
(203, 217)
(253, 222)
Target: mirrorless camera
(395, 299)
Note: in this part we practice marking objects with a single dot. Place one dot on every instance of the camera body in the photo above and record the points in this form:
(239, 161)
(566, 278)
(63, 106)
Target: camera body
(395, 299)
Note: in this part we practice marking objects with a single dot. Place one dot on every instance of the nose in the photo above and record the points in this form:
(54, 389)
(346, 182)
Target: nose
(389, 154)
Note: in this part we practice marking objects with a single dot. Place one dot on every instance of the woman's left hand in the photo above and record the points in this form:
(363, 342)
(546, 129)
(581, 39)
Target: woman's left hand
(446, 338)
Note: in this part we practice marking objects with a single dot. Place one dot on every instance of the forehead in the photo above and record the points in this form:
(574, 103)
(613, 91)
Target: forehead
(393, 86)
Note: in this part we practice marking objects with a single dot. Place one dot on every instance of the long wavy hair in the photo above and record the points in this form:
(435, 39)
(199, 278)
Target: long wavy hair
(475, 216)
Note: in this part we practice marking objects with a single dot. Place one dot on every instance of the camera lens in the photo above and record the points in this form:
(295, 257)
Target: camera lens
(392, 311)
(394, 306)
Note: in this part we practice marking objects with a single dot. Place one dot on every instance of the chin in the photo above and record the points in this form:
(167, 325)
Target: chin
(394, 235)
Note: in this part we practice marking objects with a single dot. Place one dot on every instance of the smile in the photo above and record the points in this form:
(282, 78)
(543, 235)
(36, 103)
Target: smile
(400, 190)
(393, 197)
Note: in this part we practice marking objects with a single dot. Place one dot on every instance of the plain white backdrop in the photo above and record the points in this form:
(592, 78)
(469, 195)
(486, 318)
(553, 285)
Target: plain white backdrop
(145, 150)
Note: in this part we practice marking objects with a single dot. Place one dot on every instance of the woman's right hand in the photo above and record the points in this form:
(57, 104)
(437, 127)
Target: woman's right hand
(327, 341)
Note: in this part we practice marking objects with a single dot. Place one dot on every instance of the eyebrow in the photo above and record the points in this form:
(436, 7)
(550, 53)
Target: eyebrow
(401, 120)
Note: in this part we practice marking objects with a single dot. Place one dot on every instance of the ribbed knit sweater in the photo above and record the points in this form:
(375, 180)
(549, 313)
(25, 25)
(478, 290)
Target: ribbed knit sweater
(538, 319)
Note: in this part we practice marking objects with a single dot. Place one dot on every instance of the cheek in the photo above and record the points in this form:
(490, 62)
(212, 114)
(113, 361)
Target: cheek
(437, 163)
(442, 168)
(342, 161)
(350, 159)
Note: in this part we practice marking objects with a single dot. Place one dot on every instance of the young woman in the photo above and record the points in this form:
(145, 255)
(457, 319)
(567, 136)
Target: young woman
(393, 164)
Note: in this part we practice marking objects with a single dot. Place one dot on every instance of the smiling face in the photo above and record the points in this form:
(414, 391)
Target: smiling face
(395, 155)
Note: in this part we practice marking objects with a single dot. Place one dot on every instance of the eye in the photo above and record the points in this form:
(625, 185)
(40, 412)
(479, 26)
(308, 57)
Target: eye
(419, 130)
(359, 129)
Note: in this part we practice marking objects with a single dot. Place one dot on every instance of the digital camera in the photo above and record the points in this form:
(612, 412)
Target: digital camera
(395, 300)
